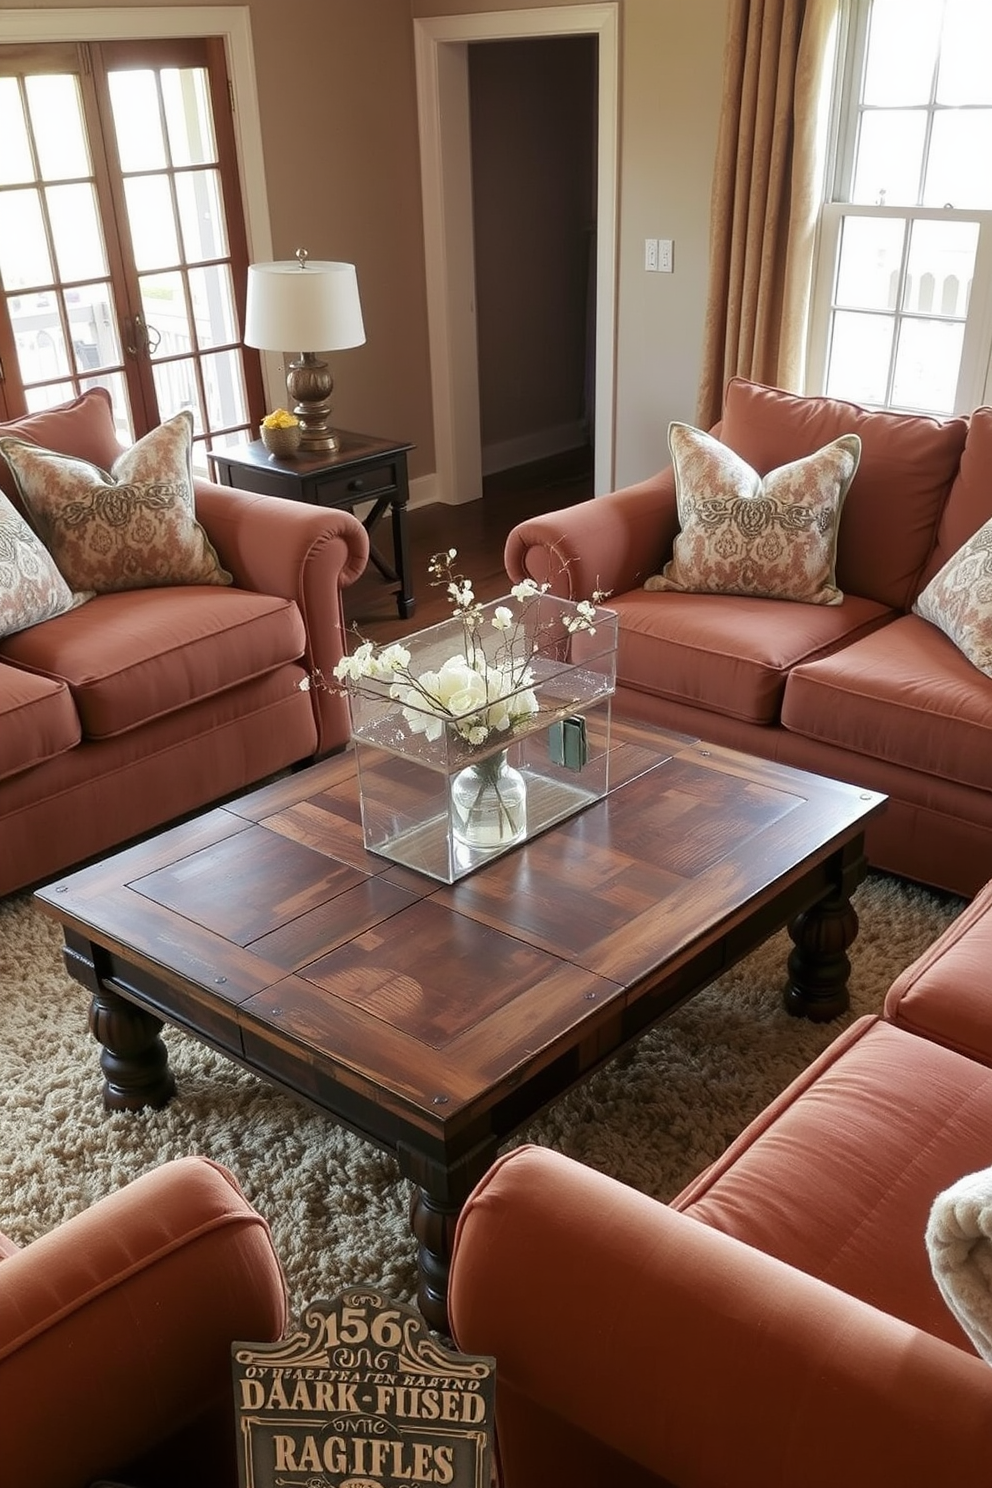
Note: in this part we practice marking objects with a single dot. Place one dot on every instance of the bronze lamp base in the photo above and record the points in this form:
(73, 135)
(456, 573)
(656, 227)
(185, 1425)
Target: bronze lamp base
(310, 384)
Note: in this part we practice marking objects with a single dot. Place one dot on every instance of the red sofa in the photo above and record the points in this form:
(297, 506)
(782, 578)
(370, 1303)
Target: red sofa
(141, 706)
(864, 691)
(777, 1324)
(116, 1332)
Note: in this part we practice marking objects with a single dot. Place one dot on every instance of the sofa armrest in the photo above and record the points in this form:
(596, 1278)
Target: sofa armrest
(946, 993)
(611, 544)
(618, 1323)
(116, 1327)
(302, 552)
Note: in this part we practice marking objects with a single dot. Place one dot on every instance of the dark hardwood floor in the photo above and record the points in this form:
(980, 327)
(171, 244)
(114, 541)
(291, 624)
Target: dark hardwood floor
(478, 530)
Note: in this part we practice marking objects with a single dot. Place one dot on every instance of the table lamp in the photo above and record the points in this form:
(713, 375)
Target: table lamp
(301, 302)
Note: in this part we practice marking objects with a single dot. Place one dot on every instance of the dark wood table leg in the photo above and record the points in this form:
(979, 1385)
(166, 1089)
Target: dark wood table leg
(433, 1224)
(134, 1059)
(397, 572)
(370, 522)
(438, 1195)
(405, 601)
(818, 964)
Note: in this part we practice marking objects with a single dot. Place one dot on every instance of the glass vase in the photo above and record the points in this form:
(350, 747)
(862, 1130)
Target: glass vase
(489, 804)
(412, 811)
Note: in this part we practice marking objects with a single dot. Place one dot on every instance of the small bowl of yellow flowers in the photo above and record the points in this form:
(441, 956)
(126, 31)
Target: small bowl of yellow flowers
(281, 432)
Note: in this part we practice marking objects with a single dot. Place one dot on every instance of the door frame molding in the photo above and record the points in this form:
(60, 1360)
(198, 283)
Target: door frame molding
(441, 50)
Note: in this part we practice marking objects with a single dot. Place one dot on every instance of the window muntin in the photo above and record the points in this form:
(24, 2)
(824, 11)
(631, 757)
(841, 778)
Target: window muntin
(901, 307)
(116, 263)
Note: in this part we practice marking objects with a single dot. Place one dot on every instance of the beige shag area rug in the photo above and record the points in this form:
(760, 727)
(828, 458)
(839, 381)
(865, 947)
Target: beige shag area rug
(337, 1206)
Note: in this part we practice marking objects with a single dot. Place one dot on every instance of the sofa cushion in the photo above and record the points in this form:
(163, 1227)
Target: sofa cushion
(31, 587)
(906, 696)
(142, 653)
(37, 720)
(892, 511)
(773, 537)
(958, 599)
(969, 505)
(731, 654)
(84, 428)
(838, 1175)
(944, 994)
(131, 529)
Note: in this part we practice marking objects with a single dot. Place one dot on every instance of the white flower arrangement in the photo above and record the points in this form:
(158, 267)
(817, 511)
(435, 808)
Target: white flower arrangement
(478, 696)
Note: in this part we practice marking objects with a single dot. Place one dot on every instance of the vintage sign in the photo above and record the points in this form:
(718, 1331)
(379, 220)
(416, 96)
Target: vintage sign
(362, 1396)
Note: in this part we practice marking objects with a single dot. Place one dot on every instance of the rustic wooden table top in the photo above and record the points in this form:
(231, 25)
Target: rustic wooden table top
(434, 1019)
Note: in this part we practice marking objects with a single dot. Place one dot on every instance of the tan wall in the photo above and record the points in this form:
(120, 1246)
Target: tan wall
(672, 80)
(337, 98)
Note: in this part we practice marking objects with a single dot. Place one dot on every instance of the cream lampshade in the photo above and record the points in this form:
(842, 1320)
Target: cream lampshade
(304, 302)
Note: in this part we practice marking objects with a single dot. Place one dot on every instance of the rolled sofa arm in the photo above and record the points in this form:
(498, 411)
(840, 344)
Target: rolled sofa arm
(116, 1327)
(624, 1330)
(610, 544)
(302, 552)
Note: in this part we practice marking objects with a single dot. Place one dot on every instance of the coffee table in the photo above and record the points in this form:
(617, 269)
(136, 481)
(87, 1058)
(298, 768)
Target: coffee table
(435, 1020)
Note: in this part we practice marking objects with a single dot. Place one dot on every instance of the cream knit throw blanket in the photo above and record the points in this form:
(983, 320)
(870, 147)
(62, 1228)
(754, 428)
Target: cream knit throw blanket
(959, 1243)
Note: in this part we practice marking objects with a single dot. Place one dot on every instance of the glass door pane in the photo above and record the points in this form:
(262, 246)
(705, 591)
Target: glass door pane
(173, 195)
(54, 265)
(123, 257)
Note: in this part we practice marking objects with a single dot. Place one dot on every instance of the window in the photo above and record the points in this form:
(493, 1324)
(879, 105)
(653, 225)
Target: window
(123, 257)
(902, 307)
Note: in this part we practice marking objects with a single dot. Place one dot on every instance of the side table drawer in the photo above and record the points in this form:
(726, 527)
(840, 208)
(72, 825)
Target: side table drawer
(363, 485)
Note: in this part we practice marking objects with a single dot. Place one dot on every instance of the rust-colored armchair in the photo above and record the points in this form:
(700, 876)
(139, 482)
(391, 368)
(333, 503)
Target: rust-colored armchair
(116, 1332)
(777, 1324)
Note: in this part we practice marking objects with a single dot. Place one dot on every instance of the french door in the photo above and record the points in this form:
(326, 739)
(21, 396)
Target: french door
(123, 256)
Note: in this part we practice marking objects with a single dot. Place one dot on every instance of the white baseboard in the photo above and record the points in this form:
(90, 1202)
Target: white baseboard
(537, 446)
(508, 455)
(423, 490)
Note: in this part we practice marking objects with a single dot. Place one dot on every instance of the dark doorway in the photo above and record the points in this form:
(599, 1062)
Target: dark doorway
(534, 110)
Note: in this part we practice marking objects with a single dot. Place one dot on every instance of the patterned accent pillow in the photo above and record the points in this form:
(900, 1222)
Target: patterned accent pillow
(31, 587)
(958, 599)
(135, 528)
(773, 538)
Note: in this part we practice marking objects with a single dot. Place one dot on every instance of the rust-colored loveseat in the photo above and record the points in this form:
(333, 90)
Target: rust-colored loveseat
(777, 1325)
(140, 706)
(116, 1330)
(864, 691)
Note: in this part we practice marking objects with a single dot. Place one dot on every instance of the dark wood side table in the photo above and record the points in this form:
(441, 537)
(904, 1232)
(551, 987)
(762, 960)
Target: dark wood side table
(364, 469)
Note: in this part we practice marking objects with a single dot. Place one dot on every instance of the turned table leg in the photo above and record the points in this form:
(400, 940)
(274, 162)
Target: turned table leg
(818, 964)
(438, 1194)
(133, 1058)
(433, 1224)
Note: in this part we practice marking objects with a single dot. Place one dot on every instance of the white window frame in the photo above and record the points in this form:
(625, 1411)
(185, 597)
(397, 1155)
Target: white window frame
(974, 386)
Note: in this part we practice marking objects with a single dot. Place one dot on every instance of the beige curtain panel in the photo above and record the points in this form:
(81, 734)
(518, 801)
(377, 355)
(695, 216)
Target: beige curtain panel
(767, 187)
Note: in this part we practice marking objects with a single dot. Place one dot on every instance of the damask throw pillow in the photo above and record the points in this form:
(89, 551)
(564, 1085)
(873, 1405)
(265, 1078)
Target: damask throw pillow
(772, 537)
(958, 599)
(31, 587)
(132, 528)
